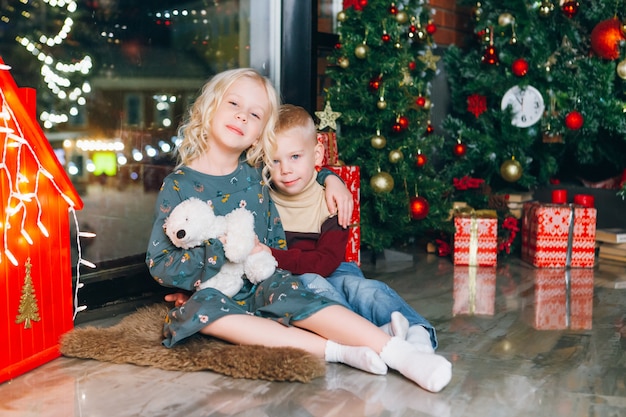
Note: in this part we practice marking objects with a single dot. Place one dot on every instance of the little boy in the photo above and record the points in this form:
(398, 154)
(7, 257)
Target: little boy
(316, 242)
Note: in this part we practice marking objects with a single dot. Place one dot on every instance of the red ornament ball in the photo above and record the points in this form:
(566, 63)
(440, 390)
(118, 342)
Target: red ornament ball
(419, 208)
(570, 8)
(420, 101)
(490, 56)
(606, 37)
(431, 28)
(396, 128)
(393, 9)
(574, 120)
(412, 29)
(460, 149)
(412, 66)
(338, 45)
(386, 38)
(429, 129)
(375, 82)
(403, 121)
(420, 160)
(520, 67)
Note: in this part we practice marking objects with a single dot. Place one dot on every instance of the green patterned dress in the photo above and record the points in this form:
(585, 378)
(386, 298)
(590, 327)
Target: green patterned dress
(281, 297)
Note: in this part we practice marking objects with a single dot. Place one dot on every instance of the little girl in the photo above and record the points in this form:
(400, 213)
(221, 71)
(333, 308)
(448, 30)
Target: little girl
(235, 111)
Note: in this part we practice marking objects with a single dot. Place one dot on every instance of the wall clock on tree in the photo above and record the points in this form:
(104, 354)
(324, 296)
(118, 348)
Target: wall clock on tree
(527, 105)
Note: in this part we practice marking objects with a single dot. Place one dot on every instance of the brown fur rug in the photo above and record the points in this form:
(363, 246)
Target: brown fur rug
(137, 340)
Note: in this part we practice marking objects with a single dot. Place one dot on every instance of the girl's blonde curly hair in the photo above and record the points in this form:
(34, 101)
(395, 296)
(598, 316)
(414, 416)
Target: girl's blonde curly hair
(197, 124)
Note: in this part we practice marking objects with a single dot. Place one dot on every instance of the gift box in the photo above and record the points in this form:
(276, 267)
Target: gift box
(351, 175)
(329, 140)
(475, 238)
(474, 290)
(558, 235)
(562, 299)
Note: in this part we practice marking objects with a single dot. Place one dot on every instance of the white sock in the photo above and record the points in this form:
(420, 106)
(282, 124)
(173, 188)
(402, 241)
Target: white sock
(429, 371)
(418, 336)
(398, 326)
(360, 357)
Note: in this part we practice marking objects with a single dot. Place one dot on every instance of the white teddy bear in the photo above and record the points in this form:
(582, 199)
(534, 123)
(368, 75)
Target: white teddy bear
(193, 221)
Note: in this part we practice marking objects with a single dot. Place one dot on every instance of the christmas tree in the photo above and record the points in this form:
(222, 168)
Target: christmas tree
(381, 70)
(28, 310)
(538, 96)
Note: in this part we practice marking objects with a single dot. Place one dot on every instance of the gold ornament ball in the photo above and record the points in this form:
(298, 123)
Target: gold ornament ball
(378, 142)
(477, 13)
(382, 182)
(395, 156)
(402, 17)
(427, 103)
(381, 104)
(621, 69)
(361, 51)
(505, 19)
(344, 62)
(546, 8)
(341, 16)
(511, 170)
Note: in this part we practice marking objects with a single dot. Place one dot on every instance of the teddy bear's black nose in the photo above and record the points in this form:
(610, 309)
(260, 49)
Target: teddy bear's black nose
(181, 234)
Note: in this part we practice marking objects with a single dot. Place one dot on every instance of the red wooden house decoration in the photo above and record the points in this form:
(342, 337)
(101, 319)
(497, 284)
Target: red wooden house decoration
(36, 199)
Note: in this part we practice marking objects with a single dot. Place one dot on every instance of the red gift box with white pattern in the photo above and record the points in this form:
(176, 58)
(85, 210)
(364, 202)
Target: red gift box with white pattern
(562, 299)
(351, 175)
(329, 140)
(475, 241)
(474, 290)
(558, 235)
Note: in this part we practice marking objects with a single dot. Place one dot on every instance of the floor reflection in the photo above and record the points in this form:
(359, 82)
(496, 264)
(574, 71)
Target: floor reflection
(523, 341)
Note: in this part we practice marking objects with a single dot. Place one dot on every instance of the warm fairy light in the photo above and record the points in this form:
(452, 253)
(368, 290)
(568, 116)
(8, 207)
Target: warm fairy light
(16, 211)
(27, 236)
(55, 74)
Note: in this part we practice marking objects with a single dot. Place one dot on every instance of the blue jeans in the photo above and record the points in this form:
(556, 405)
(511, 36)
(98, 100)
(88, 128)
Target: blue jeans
(371, 299)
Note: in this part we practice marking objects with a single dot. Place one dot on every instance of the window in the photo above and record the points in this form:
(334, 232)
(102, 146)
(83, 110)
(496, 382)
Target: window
(113, 80)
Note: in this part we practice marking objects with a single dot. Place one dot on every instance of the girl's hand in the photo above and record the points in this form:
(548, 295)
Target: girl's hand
(178, 298)
(339, 200)
(259, 247)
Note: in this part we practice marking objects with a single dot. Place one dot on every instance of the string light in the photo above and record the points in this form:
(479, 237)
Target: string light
(56, 74)
(16, 178)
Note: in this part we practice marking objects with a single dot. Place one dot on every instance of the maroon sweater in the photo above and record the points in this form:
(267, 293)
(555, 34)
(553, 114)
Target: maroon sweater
(320, 253)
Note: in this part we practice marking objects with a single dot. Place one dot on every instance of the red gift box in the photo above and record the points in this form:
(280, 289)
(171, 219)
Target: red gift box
(329, 140)
(351, 175)
(562, 299)
(475, 240)
(558, 235)
(474, 290)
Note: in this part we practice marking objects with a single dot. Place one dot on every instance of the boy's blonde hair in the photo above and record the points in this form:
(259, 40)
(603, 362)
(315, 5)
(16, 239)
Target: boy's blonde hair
(197, 124)
(295, 117)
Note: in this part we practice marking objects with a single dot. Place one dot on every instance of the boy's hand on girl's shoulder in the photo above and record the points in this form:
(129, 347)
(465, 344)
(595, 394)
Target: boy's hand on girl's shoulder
(339, 200)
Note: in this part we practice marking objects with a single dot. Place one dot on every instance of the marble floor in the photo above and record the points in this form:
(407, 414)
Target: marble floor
(522, 342)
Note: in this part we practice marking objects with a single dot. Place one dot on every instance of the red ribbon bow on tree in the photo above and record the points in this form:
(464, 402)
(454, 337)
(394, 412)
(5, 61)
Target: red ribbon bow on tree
(466, 183)
(357, 4)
